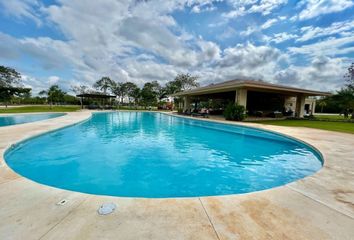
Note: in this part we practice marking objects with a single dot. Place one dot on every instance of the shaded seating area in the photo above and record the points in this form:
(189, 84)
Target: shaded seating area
(260, 99)
(96, 101)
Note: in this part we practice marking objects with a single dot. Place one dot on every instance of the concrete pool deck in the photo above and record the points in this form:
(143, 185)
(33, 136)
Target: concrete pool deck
(320, 206)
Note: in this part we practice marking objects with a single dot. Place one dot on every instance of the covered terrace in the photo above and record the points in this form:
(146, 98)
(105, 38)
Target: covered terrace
(258, 97)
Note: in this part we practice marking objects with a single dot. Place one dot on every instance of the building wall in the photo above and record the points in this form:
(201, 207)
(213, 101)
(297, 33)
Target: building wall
(290, 103)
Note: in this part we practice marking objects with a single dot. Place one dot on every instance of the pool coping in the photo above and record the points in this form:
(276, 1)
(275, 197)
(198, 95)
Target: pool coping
(328, 190)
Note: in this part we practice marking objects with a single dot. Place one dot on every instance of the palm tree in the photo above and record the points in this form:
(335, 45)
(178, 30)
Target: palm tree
(322, 104)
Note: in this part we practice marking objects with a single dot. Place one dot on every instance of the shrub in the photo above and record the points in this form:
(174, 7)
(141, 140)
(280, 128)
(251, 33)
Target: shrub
(234, 112)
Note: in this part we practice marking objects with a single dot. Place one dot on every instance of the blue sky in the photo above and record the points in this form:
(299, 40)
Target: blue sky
(305, 44)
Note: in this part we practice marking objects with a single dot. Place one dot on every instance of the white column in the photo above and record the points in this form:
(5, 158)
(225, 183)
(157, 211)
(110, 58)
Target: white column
(313, 107)
(300, 105)
(186, 103)
(241, 97)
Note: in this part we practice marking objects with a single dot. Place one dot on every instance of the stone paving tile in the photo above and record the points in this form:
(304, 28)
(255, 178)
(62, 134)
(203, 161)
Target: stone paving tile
(332, 188)
(276, 214)
(316, 207)
(29, 210)
(136, 219)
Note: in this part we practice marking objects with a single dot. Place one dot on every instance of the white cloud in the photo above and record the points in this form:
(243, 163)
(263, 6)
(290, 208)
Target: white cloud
(282, 37)
(234, 13)
(322, 73)
(315, 8)
(311, 32)
(265, 7)
(249, 56)
(53, 80)
(269, 23)
(228, 33)
(22, 9)
(241, 8)
(204, 7)
(329, 47)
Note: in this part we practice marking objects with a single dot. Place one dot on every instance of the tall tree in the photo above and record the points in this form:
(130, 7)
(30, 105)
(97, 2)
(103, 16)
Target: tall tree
(182, 82)
(54, 94)
(130, 89)
(81, 89)
(150, 93)
(6, 93)
(118, 90)
(9, 77)
(136, 95)
(104, 84)
(349, 76)
(10, 81)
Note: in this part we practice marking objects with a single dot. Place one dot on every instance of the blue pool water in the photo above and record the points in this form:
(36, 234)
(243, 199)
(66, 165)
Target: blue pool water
(137, 154)
(26, 118)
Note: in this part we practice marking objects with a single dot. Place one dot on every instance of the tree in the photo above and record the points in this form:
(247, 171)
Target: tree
(136, 95)
(10, 81)
(9, 77)
(345, 100)
(130, 90)
(149, 93)
(104, 84)
(118, 90)
(43, 94)
(182, 82)
(81, 89)
(54, 94)
(349, 76)
(322, 104)
(6, 93)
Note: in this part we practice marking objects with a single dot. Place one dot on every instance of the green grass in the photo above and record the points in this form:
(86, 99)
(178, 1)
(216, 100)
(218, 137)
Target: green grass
(44, 108)
(330, 117)
(346, 127)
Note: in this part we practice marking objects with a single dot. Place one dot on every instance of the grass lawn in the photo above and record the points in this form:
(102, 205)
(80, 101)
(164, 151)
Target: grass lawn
(45, 108)
(346, 127)
(330, 117)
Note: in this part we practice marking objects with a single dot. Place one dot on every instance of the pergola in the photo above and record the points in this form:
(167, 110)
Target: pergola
(94, 96)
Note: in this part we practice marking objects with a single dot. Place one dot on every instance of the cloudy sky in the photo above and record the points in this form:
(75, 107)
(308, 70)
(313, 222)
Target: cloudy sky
(305, 44)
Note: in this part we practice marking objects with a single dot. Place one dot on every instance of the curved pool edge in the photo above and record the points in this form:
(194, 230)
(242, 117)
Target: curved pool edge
(321, 203)
(29, 130)
(58, 115)
(91, 113)
(256, 127)
(319, 157)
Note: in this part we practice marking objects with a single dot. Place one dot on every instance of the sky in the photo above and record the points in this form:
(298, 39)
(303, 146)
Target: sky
(307, 44)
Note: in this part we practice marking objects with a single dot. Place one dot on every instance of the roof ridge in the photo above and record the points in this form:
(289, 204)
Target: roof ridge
(257, 83)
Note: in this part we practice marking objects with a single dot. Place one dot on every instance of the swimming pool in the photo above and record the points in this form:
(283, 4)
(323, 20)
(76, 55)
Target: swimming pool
(26, 118)
(144, 154)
